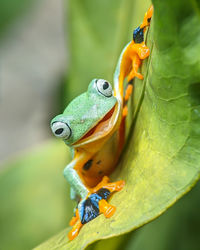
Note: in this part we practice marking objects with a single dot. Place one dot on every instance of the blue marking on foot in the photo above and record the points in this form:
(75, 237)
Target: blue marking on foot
(90, 207)
(138, 35)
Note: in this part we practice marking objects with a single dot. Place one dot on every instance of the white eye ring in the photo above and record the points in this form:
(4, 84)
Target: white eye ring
(104, 87)
(61, 130)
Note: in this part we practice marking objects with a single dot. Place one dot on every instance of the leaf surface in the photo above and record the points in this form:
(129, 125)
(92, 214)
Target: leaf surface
(177, 228)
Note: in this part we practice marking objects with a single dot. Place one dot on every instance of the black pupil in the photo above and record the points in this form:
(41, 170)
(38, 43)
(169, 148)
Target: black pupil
(59, 131)
(105, 85)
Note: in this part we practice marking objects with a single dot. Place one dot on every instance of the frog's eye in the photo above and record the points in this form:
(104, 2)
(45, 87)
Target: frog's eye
(61, 129)
(104, 87)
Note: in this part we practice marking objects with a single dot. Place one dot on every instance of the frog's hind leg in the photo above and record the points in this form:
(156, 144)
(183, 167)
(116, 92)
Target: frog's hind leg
(96, 202)
(136, 62)
(127, 94)
(141, 52)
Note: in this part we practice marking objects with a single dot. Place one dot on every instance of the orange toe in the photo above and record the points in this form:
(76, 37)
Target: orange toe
(140, 76)
(135, 74)
(75, 218)
(119, 185)
(107, 209)
(125, 111)
(128, 92)
(72, 221)
(115, 186)
(75, 230)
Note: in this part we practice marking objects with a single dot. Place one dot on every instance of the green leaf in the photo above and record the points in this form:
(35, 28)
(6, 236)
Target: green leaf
(34, 197)
(178, 228)
(161, 161)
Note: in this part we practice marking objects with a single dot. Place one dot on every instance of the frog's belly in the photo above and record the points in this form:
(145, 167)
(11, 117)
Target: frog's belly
(102, 163)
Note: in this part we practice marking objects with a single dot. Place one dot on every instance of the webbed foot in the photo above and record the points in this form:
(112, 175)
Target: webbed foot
(94, 205)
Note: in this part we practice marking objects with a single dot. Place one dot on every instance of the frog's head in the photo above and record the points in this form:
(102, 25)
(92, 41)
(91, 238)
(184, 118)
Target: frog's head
(89, 116)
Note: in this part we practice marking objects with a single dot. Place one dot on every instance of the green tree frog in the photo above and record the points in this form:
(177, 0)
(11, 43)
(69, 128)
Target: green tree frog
(92, 125)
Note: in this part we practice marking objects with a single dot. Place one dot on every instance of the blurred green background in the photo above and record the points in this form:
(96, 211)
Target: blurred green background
(50, 50)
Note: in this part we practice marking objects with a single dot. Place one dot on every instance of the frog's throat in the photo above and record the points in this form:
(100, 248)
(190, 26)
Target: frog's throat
(106, 126)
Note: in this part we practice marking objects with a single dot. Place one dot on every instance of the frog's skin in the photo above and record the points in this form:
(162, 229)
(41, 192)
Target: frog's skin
(92, 125)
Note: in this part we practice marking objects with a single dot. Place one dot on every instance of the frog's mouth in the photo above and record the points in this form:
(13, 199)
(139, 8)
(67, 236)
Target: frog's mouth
(102, 128)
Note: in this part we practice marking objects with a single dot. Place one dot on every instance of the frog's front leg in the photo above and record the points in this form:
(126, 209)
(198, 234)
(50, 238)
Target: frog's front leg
(74, 195)
(74, 178)
(78, 188)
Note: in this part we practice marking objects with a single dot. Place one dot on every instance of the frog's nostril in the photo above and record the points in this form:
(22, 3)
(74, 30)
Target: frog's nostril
(59, 131)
